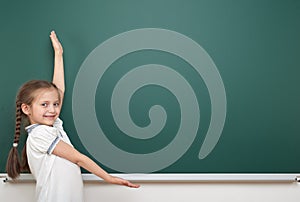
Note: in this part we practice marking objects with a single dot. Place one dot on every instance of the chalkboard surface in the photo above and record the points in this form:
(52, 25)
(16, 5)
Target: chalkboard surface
(164, 86)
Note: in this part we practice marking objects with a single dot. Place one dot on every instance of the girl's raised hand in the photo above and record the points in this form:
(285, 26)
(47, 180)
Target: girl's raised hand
(55, 43)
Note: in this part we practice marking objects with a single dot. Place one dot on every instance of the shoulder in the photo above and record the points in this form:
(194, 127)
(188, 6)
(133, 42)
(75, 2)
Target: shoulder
(42, 138)
(37, 130)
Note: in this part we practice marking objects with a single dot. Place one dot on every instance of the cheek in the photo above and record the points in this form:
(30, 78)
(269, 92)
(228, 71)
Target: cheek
(58, 110)
(37, 110)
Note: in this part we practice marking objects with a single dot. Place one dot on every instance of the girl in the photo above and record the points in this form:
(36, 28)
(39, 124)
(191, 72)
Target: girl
(48, 153)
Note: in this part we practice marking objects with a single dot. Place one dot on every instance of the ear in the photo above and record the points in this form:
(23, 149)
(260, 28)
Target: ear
(26, 109)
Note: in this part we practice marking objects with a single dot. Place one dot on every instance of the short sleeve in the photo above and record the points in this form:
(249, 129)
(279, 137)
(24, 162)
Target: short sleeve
(44, 138)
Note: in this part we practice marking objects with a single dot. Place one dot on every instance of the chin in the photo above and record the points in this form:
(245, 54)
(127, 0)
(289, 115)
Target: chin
(49, 122)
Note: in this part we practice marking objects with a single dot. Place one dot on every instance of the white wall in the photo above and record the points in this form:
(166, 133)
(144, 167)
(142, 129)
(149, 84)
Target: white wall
(168, 192)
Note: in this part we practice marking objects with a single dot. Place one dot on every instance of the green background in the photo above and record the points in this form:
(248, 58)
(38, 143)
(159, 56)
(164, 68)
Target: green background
(254, 44)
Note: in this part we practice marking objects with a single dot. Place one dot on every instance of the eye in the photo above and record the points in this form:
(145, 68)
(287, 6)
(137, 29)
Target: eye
(44, 104)
(56, 104)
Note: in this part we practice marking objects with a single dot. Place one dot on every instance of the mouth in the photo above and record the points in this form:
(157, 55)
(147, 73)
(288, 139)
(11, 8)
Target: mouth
(50, 116)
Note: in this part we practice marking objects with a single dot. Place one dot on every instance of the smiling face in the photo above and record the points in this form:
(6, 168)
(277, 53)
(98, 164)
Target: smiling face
(45, 108)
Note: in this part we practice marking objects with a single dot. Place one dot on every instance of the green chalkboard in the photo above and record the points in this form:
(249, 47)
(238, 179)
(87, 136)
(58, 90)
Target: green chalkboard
(194, 86)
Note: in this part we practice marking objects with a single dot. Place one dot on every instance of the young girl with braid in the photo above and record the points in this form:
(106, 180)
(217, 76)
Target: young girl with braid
(48, 152)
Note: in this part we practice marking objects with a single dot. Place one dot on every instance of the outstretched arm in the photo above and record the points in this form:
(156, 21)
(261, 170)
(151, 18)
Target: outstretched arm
(65, 151)
(58, 72)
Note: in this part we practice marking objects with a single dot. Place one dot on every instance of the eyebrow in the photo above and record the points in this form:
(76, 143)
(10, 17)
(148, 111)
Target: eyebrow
(49, 100)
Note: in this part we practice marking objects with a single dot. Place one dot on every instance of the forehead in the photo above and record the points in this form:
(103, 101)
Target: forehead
(46, 94)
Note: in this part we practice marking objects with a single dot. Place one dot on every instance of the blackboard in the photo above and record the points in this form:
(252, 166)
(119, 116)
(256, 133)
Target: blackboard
(233, 65)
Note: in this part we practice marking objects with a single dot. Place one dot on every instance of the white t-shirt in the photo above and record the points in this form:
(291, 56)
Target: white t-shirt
(57, 179)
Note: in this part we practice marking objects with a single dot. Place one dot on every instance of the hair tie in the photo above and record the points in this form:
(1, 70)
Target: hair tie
(15, 144)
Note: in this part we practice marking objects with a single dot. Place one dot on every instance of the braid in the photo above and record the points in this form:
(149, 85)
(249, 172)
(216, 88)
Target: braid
(24, 163)
(13, 167)
(18, 123)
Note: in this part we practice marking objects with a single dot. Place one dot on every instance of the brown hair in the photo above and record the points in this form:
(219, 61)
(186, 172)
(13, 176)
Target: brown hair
(26, 96)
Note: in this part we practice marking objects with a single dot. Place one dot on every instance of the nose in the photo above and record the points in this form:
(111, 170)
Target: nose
(51, 109)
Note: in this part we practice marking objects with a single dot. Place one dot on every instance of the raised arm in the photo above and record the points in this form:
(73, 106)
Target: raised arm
(58, 72)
